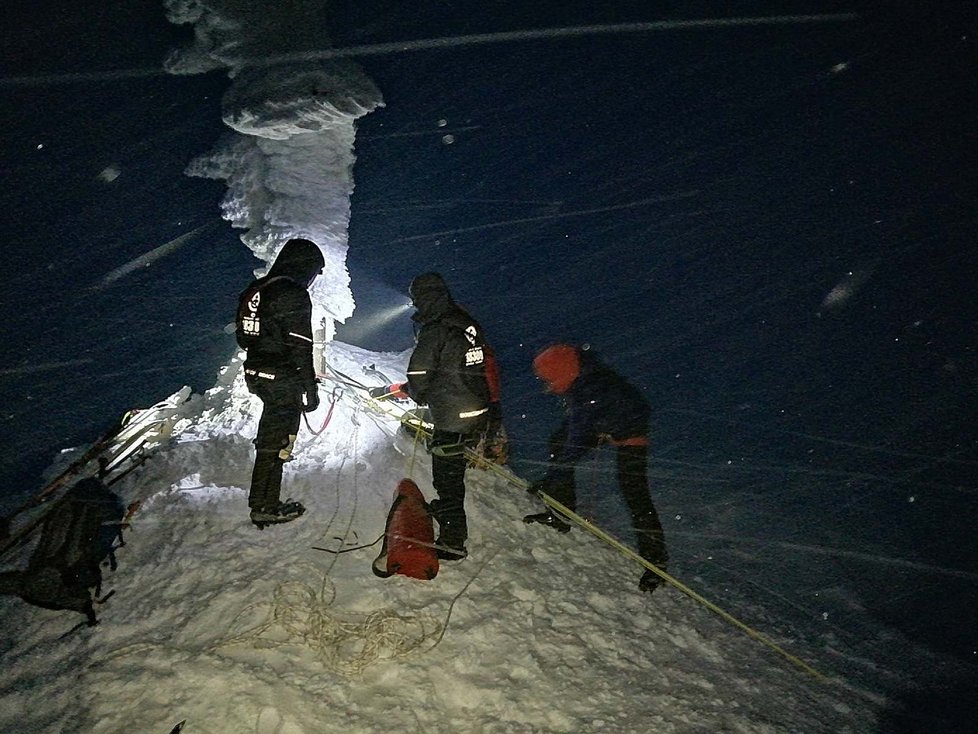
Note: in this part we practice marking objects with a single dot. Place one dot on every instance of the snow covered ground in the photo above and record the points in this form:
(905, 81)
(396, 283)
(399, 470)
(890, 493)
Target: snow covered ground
(236, 630)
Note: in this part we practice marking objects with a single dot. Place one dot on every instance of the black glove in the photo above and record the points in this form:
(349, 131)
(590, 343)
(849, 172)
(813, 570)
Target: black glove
(311, 403)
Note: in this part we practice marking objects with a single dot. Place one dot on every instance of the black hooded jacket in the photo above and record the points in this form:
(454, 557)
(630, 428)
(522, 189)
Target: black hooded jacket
(599, 405)
(447, 370)
(274, 319)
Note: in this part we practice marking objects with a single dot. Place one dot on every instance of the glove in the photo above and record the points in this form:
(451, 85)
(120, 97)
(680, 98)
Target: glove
(311, 402)
(389, 392)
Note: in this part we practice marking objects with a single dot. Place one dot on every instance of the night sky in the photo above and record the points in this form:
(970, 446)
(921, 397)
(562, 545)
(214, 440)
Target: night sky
(684, 201)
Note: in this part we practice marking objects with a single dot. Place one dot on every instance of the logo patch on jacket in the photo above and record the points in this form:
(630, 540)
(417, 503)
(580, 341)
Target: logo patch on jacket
(474, 356)
(250, 323)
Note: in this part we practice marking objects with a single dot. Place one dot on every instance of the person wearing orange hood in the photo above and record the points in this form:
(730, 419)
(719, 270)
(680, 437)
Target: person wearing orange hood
(601, 406)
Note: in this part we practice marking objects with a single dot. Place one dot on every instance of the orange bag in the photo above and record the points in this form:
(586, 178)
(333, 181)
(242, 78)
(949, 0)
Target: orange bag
(409, 537)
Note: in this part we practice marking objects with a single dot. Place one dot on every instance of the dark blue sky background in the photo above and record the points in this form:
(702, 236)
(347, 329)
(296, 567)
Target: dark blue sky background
(681, 200)
(77, 355)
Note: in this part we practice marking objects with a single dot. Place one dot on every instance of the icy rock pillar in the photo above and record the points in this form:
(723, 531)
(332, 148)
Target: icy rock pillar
(288, 163)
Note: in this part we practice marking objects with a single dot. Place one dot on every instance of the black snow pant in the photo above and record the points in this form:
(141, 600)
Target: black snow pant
(277, 431)
(633, 480)
(634, 483)
(448, 478)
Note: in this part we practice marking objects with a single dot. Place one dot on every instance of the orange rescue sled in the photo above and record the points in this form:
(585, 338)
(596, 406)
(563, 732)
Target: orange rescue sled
(409, 537)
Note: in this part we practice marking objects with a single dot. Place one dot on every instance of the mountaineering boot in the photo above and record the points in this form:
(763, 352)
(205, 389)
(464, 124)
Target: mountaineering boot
(652, 547)
(448, 550)
(650, 580)
(453, 529)
(282, 512)
(450, 545)
(549, 519)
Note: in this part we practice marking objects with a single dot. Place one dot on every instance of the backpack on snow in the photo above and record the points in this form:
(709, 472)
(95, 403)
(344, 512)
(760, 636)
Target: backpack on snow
(78, 534)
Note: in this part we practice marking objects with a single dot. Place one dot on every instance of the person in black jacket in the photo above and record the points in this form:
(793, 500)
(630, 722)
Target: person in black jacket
(600, 407)
(447, 372)
(274, 325)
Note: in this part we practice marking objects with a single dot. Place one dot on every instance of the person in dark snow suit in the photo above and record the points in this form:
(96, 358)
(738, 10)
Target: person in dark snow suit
(274, 325)
(600, 407)
(447, 372)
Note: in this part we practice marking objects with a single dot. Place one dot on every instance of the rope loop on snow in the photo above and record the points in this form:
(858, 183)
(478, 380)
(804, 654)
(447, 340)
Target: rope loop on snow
(298, 615)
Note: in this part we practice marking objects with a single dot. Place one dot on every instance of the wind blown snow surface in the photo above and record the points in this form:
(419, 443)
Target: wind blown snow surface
(237, 630)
